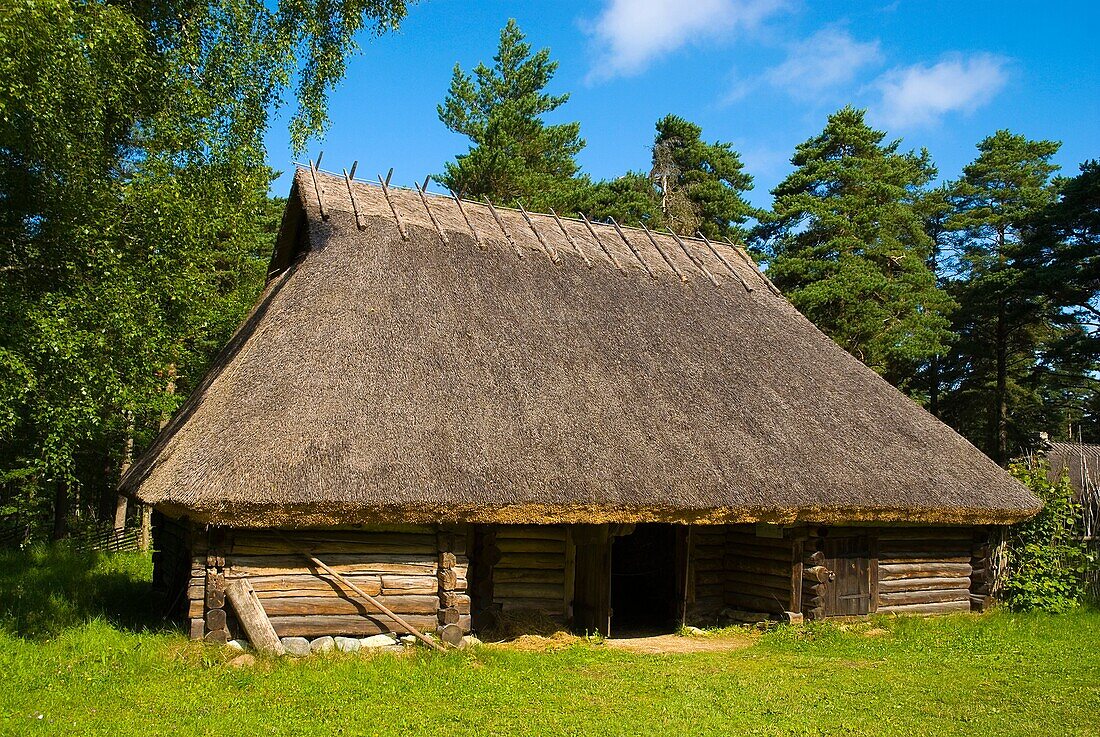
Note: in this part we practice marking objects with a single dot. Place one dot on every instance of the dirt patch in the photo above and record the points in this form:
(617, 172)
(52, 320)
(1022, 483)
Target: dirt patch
(661, 644)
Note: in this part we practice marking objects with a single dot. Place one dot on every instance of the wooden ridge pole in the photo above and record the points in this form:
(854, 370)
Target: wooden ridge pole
(603, 248)
(351, 194)
(317, 187)
(461, 209)
(386, 193)
(576, 246)
(744, 254)
(424, 200)
(725, 263)
(668, 261)
(632, 248)
(695, 259)
(550, 252)
(377, 604)
(504, 230)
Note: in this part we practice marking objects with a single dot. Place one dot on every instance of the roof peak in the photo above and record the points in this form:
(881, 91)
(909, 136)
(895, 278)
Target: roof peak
(624, 247)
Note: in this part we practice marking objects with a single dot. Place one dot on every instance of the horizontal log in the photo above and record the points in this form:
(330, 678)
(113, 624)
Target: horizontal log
(551, 607)
(775, 568)
(402, 605)
(916, 557)
(735, 538)
(756, 603)
(923, 597)
(923, 584)
(215, 619)
(817, 574)
(926, 533)
(711, 577)
(938, 608)
(449, 615)
(197, 629)
(739, 552)
(451, 599)
(541, 561)
(889, 571)
(529, 532)
(196, 608)
(709, 552)
(528, 590)
(813, 613)
(251, 566)
(316, 625)
(814, 558)
(810, 588)
(709, 565)
(743, 578)
(365, 544)
(508, 546)
(526, 575)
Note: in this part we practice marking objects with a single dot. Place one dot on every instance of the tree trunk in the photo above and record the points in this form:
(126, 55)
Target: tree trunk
(1000, 426)
(127, 460)
(60, 510)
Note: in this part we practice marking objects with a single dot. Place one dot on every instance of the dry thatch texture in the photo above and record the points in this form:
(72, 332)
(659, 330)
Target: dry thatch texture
(1080, 461)
(384, 379)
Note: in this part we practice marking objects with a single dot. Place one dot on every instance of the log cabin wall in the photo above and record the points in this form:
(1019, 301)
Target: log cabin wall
(760, 570)
(533, 569)
(706, 587)
(924, 570)
(417, 571)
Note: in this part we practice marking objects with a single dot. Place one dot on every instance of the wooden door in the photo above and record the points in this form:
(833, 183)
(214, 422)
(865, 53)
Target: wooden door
(592, 581)
(849, 593)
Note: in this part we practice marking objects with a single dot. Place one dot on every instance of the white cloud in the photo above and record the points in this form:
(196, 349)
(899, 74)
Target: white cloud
(826, 60)
(629, 34)
(921, 95)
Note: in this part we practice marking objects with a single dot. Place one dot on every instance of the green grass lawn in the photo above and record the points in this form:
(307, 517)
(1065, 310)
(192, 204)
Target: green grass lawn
(80, 654)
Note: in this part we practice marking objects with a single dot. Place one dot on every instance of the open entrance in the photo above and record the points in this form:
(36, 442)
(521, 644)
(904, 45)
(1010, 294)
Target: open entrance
(644, 581)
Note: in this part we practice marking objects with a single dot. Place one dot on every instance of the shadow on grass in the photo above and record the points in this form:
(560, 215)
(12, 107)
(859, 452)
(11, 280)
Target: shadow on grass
(48, 588)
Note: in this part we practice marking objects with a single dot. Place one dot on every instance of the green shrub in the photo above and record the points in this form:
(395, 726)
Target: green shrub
(1047, 557)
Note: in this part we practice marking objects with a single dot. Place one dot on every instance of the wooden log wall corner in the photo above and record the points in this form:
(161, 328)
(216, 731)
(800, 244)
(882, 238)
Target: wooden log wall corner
(982, 574)
(449, 614)
(815, 576)
(216, 622)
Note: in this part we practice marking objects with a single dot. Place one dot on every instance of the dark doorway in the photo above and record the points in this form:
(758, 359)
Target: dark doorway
(644, 579)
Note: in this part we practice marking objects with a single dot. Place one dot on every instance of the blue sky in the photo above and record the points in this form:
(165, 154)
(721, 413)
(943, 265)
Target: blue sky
(763, 74)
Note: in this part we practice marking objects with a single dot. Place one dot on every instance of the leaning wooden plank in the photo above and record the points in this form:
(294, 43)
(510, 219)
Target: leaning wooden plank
(379, 606)
(252, 617)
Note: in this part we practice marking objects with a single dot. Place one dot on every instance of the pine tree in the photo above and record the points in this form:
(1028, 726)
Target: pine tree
(1004, 320)
(700, 185)
(515, 155)
(847, 245)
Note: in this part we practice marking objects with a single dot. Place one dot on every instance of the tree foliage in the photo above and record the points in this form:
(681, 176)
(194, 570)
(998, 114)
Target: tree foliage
(846, 243)
(1047, 557)
(134, 212)
(515, 155)
(700, 185)
(994, 374)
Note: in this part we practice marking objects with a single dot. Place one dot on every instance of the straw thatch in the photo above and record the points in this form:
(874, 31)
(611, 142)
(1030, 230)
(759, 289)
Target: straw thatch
(533, 374)
(1080, 461)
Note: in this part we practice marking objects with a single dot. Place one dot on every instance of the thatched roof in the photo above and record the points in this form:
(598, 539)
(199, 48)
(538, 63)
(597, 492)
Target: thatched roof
(514, 367)
(1081, 461)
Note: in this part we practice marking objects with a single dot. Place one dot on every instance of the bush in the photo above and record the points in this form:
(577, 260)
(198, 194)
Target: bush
(1047, 556)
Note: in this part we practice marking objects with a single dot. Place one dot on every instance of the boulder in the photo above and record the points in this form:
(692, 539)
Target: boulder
(239, 645)
(296, 646)
(375, 641)
(469, 641)
(322, 644)
(347, 644)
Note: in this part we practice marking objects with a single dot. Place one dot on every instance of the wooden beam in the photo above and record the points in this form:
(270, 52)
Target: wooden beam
(253, 618)
(377, 605)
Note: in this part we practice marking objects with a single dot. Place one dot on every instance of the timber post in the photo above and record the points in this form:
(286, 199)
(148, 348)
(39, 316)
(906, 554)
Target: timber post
(450, 631)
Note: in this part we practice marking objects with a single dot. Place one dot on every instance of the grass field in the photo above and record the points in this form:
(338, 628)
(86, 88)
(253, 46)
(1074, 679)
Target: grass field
(80, 654)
